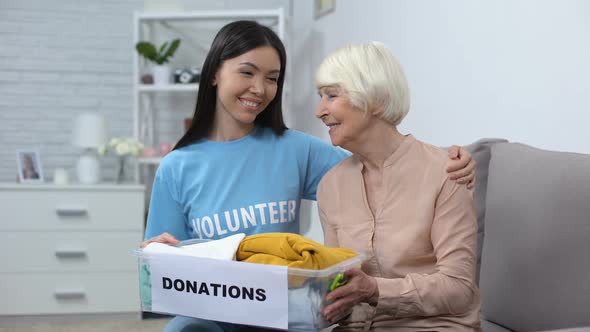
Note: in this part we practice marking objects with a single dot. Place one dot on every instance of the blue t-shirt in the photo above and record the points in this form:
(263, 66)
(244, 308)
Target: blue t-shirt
(252, 185)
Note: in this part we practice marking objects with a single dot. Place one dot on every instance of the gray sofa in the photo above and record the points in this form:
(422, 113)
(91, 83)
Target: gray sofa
(534, 221)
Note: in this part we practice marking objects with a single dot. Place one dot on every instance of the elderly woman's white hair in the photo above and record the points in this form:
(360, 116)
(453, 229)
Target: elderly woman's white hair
(371, 76)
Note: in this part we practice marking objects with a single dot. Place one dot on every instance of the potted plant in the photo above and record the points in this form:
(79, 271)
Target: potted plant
(160, 57)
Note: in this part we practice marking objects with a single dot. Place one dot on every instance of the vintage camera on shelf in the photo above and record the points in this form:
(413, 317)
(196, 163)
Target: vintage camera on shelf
(187, 75)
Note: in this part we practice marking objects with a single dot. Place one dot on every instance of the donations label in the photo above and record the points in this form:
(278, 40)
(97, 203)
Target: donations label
(227, 291)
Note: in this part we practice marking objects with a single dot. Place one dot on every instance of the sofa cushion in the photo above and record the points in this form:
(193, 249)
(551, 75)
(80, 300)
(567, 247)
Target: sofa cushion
(536, 262)
(481, 152)
(575, 329)
(487, 326)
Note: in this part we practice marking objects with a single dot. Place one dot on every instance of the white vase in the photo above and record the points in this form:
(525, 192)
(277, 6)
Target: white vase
(88, 167)
(161, 74)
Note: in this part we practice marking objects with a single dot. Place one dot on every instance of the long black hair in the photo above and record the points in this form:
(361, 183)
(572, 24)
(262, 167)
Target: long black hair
(233, 40)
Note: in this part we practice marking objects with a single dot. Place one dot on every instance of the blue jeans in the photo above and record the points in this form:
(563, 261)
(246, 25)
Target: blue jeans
(189, 324)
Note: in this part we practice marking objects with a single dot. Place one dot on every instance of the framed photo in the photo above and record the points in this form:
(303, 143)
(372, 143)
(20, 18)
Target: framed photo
(29, 166)
(323, 7)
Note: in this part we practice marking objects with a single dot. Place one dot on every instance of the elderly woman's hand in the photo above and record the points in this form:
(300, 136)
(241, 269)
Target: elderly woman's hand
(360, 288)
(461, 167)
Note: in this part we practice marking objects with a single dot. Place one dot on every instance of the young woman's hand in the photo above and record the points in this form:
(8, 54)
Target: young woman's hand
(162, 238)
(461, 167)
(359, 288)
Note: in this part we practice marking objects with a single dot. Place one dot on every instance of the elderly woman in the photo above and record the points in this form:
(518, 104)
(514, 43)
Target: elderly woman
(393, 201)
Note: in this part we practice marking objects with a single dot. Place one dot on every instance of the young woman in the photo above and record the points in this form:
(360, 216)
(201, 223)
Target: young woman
(238, 169)
(392, 200)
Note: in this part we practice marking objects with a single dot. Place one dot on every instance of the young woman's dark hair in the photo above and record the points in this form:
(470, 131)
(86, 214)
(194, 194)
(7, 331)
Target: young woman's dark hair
(233, 40)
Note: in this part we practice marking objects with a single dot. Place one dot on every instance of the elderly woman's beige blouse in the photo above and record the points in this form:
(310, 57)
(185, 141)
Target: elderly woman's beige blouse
(421, 242)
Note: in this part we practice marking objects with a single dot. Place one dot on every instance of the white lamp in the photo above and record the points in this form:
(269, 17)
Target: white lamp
(90, 133)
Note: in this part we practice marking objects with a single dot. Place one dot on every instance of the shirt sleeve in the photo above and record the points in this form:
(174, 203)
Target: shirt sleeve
(330, 235)
(451, 289)
(165, 213)
(322, 157)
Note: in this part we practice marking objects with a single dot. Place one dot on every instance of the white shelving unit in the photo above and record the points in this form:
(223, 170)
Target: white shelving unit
(168, 88)
(145, 126)
(150, 161)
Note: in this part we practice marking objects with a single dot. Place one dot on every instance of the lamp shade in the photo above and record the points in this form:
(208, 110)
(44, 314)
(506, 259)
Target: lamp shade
(90, 130)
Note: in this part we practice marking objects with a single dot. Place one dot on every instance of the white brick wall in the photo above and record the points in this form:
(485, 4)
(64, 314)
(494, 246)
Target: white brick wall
(62, 57)
(59, 58)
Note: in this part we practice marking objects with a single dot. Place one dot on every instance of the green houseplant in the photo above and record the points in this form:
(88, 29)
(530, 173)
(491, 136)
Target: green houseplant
(159, 57)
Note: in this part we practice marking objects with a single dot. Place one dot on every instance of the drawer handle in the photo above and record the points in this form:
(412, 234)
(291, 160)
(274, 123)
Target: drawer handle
(70, 253)
(71, 211)
(69, 294)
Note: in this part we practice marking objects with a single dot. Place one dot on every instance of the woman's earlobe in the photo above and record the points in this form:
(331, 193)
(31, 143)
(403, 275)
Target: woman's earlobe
(378, 111)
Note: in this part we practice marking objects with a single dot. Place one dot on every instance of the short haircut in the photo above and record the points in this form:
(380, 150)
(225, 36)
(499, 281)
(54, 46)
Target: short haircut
(371, 76)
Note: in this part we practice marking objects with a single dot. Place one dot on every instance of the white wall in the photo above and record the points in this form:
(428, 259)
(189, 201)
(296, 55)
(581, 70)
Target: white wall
(517, 69)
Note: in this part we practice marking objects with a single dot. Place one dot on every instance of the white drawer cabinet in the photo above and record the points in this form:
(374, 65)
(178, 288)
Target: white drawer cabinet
(68, 293)
(68, 249)
(71, 209)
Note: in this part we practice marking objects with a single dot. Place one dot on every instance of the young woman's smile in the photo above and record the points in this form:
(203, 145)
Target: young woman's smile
(250, 104)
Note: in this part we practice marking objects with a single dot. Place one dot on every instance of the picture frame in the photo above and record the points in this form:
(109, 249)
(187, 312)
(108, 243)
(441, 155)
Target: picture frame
(323, 7)
(29, 166)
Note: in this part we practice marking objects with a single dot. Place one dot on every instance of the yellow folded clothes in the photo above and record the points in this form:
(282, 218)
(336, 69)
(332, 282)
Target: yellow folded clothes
(290, 250)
